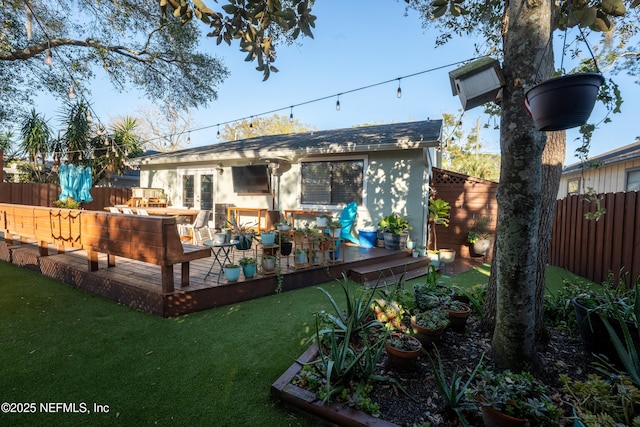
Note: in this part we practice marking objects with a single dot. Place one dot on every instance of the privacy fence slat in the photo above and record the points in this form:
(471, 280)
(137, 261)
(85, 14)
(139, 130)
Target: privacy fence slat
(592, 249)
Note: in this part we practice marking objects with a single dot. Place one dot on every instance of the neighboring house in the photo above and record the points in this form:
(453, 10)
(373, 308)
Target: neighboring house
(383, 168)
(612, 172)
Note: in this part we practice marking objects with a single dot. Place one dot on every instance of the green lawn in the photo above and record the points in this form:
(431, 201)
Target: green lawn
(63, 345)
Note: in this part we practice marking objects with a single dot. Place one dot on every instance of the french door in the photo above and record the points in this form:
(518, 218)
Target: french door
(198, 188)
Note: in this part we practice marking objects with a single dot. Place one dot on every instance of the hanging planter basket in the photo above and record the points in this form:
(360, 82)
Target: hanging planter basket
(563, 102)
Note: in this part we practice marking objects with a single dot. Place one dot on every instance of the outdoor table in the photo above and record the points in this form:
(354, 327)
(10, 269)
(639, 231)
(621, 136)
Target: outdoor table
(289, 214)
(220, 253)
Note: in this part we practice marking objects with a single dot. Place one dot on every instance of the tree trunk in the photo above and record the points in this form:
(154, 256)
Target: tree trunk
(552, 161)
(528, 29)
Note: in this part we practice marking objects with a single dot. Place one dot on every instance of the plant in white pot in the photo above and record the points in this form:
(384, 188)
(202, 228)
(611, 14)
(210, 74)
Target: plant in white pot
(479, 237)
(439, 215)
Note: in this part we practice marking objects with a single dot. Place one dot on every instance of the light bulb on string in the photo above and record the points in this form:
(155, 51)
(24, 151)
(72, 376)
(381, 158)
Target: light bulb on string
(72, 93)
(218, 134)
(189, 138)
(48, 58)
(338, 104)
(291, 115)
(89, 118)
(399, 93)
(251, 122)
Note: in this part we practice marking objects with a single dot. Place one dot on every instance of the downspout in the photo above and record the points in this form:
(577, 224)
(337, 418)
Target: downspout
(426, 185)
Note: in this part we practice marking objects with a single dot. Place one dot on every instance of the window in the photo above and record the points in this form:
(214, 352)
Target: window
(573, 186)
(332, 182)
(633, 180)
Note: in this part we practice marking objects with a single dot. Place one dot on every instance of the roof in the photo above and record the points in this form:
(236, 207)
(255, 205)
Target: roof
(622, 154)
(398, 136)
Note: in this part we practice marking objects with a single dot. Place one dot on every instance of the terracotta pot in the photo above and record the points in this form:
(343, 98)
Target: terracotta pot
(495, 418)
(426, 336)
(402, 358)
(563, 102)
(458, 319)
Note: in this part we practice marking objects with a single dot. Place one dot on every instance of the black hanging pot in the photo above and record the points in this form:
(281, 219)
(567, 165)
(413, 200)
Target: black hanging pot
(563, 102)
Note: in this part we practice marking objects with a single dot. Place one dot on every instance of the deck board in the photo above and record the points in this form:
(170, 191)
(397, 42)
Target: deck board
(138, 284)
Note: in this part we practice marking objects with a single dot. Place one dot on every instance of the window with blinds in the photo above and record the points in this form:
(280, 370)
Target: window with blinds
(337, 182)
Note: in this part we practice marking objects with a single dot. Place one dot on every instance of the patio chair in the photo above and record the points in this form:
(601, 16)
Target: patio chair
(113, 209)
(199, 224)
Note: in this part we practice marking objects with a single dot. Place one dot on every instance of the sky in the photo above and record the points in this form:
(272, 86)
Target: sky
(359, 43)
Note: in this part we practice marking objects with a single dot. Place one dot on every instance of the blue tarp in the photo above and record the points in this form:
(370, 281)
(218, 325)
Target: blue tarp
(75, 182)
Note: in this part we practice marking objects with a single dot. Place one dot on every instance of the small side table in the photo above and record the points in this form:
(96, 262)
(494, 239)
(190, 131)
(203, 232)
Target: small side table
(220, 253)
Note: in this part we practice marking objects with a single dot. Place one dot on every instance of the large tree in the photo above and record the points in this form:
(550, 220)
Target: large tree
(150, 45)
(521, 33)
(262, 126)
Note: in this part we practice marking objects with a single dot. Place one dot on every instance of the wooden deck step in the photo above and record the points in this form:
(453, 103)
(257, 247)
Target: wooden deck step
(409, 266)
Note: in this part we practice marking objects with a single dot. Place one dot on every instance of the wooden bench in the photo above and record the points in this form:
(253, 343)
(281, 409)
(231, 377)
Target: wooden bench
(151, 239)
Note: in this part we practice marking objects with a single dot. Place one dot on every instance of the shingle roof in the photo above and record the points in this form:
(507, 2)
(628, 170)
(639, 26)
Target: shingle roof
(396, 136)
(618, 155)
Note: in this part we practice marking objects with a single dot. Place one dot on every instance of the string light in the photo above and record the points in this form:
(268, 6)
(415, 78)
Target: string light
(48, 58)
(251, 123)
(189, 138)
(338, 103)
(72, 93)
(291, 115)
(399, 89)
(218, 134)
(89, 118)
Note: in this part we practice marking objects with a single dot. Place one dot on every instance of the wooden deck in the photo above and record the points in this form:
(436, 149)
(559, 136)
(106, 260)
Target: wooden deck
(138, 284)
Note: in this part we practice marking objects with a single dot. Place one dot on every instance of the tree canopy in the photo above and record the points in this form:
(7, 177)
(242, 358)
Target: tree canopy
(53, 46)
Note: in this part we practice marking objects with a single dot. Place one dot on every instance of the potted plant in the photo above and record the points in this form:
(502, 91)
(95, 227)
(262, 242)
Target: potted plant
(439, 215)
(513, 399)
(335, 227)
(563, 102)
(599, 402)
(616, 304)
(242, 233)
(478, 237)
(402, 349)
(248, 267)
(268, 263)
(429, 325)
(268, 238)
(285, 244)
(283, 226)
(322, 220)
(232, 272)
(458, 313)
(395, 228)
(301, 257)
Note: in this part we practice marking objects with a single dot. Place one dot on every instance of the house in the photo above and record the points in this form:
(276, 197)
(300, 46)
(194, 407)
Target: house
(612, 172)
(384, 168)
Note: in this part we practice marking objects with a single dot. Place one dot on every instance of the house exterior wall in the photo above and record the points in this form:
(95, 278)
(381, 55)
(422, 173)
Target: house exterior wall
(395, 182)
(607, 179)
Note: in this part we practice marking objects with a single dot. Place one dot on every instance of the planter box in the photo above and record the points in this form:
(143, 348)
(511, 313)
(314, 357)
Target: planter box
(305, 401)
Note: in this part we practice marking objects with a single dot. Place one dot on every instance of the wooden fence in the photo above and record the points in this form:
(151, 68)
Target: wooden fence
(470, 198)
(45, 194)
(592, 248)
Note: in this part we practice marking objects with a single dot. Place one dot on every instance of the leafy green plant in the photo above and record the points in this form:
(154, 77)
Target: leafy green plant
(394, 223)
(432, 320)
(438, 215)
(453, 391)
(599, 402)
(403, 342)
(479, 231)
(519, 395)
(69, 203)
(626, 351)
(247, 261)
